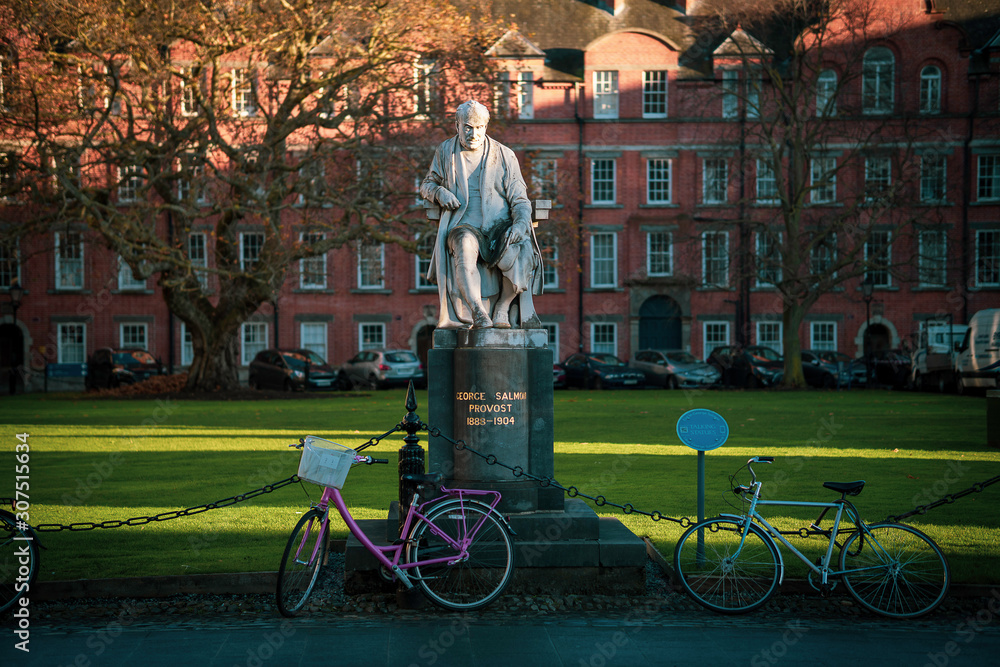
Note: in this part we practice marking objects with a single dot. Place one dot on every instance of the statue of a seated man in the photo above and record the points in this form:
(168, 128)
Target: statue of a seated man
(486, 256)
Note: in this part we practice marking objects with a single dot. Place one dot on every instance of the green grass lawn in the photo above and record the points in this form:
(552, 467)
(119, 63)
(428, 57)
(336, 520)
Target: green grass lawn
(100, 459)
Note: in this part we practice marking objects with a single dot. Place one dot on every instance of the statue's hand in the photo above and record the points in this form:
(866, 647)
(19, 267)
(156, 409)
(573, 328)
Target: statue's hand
(447, 199)
(518, 232)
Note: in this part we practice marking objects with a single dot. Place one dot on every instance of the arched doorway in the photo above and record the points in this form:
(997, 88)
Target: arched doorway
(659, 324)
(11, 358)
(877, 338)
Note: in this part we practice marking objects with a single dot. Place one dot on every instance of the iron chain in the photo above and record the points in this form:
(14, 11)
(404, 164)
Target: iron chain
(946, 500)
(167, 516)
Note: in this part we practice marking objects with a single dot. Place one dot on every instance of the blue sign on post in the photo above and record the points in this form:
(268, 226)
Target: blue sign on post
(702, 429)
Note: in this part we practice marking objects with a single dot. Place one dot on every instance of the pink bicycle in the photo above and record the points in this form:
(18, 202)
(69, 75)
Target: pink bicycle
(458, 550)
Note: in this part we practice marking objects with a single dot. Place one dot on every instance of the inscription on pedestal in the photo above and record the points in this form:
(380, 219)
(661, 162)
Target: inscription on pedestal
(500, 408)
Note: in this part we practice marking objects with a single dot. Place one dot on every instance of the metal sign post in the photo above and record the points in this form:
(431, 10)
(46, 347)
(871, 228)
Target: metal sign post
(702, 430)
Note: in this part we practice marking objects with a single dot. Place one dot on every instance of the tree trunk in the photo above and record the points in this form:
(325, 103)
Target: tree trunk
(216, 364)
(792, 317)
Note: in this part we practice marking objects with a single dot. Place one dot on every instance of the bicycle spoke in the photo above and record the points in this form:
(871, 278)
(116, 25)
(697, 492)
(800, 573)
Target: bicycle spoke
(301, 563)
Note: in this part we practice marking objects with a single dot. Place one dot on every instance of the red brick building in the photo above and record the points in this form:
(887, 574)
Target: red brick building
(628, 115)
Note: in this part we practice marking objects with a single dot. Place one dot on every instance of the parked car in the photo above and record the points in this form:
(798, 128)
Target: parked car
(291, 370)
(856, 367)
(375, 369)
(890, 367)
(823, 371)
(596, 370)
(753, 366)
(558, 376)
(108, 367)
(674, 368)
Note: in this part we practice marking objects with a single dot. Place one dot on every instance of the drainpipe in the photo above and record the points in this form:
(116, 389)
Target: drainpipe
(967, 196)
(579, 217)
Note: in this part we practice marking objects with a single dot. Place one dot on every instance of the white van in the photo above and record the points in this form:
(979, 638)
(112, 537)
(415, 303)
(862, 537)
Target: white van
(978, 361)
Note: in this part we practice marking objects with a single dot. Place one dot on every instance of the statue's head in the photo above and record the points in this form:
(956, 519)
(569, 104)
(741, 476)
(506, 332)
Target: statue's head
(471, 119)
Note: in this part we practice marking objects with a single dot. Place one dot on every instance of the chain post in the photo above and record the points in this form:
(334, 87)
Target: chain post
(411, 454)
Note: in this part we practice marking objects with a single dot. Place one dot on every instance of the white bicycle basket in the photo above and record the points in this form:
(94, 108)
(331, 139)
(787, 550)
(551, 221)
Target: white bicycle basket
(324, 462)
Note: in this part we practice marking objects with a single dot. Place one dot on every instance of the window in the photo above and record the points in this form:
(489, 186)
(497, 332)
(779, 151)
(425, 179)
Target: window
(878, 258)
(526, 95)
(930, 90)
(659, 254)
(878, 179)
(191, 186)
(654, 94)
(10, 268)
(501, 95)
(822, 256)
(715, 259)
(602, 181)
(933, 261)
(552, 332)
(826, 94)
(244, 89)
(605, 94)
(69, 260)
(5, 78)
(129, 183)
(312, 181)
(187, 346)
(716, 334)
(251, 247)
(8, 174)
(544, 178)
(198, 255)
(72, 344)
(425, 79)
(189, 83)
(371, 335)
(312, 336)
(254, 337)
(133, 336)
(603, 259)
(549, 248)
(754, 85)
(312, 270)
(988, 258)
(767, 183)
(730, 93)
(989, 177)
(658, 181)
(768, 259)
(127, 279)
(715, 180)
(769, 335)
(425, 247)
(877, 73)
(933, 178)
(371, 265)
(823, 335)
(604, 338)
(823, 176)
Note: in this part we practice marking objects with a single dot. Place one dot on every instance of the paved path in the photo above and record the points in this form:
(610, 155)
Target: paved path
(471, 641)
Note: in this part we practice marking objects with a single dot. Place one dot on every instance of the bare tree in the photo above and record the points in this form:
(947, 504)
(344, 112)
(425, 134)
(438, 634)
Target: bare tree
(834, 156)
(215, 144)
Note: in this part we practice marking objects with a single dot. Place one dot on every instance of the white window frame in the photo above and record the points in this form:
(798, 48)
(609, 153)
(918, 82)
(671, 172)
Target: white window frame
(878, 86)
(67, 267)
(878, 171)
(767, 184)
(550, 262)
(709, 335)
(244, 85)
(823, 335)
(884, 248)
(312, 266)
(769, 334)
(604, 265)
(659, 180)
(71, 351)
(545, 178)
(606, 94)
(371, 255)
(8, 173)
(988, 177)
(525, 95)
(552, 339)
(314, 336)
(126, 278)
(826, 94)
(371, 335)
(655, 90)
(133, 335)
(188, 99)
(246, 261)
(253, 339)
(930, 89)
(659, 253)
(730, 94)
(422, 264)
(187, 346)
(130, 181)
(603, 173)
(602, 330)
(933, 177)
(191, 180)
(819, 262)
(714, 183)
(10, 263)
(932, 260)
(768, 245)
(425, 83)
(198, 256)
(823, 178)
(988, 263)
(722, 259)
